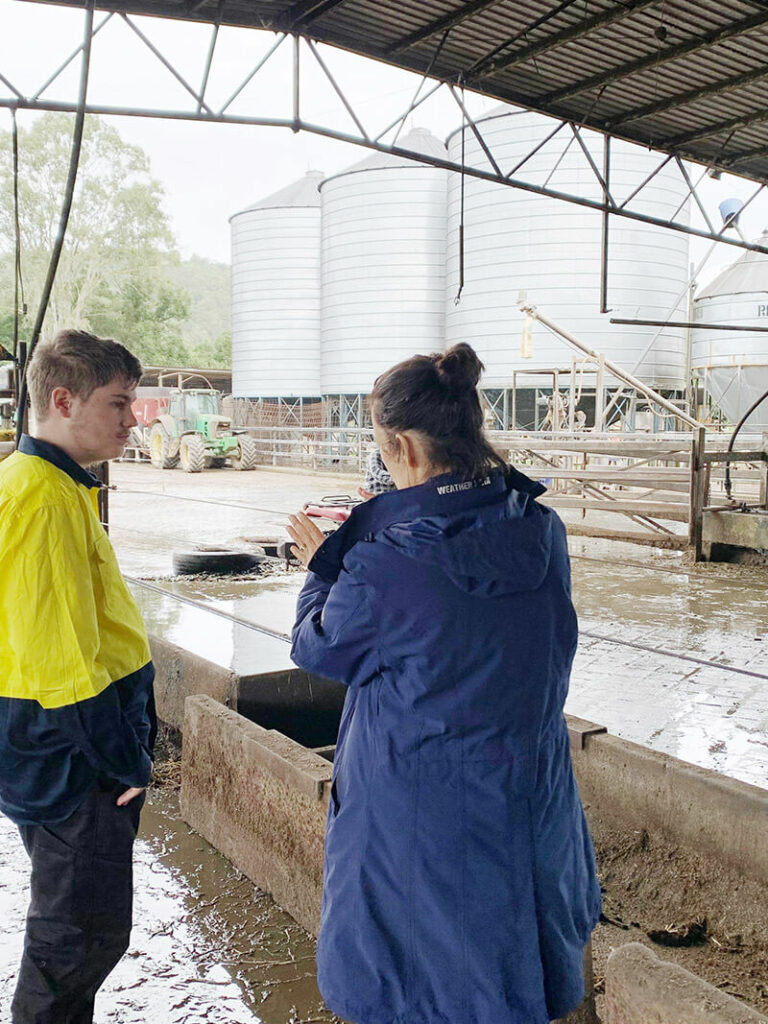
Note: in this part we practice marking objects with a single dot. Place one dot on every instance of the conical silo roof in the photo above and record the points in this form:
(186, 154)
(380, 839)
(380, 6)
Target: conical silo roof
(748, 274)
(420, 140)
(303, 192)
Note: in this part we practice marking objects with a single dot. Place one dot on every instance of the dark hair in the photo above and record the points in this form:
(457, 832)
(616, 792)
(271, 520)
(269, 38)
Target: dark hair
(80, 362)
(437, 396)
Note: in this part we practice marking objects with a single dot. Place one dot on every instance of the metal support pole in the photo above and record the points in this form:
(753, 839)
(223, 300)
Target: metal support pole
(606, 225)
(698, 495)
(296, 85)
(600, 395)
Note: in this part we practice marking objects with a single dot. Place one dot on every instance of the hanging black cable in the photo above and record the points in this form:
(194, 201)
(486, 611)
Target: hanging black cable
(739, 425)
(58, 245)
(19, 305)
(461, 214)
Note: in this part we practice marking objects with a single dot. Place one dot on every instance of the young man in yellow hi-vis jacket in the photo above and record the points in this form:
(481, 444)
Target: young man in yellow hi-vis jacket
(77, 719)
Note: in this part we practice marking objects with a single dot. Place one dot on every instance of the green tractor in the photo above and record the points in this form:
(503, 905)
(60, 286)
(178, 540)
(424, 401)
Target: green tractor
(194, 434)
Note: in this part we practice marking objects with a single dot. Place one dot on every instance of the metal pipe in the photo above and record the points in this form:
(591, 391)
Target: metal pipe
(612, 367)
(605, 228)
(686, 324)
(734, 435)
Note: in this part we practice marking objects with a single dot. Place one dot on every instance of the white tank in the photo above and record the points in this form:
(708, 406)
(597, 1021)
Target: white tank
(517, 241)
(734, 364)
(276, 294)
(383, 265)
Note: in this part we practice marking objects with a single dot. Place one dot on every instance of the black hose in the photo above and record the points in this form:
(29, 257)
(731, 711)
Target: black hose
(18, 283)
(739, 425)
(58, 245)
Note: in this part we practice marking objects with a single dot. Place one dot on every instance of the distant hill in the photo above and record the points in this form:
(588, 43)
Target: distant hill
(209, 287)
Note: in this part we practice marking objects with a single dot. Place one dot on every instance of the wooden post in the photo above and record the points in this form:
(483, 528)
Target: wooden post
(764, 474)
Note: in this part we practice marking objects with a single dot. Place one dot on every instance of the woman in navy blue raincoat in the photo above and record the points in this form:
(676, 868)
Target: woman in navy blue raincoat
(460, 884)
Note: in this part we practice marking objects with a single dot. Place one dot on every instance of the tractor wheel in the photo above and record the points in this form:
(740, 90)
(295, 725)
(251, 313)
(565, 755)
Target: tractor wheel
(215, 462)
(160, 448)
(192, 453)
(247, 454)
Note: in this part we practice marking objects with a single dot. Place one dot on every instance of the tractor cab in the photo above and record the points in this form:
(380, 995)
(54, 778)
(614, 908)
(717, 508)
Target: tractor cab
(197, 410)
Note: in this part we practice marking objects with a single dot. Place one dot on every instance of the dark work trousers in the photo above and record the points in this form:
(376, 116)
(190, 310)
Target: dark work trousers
(79, 918)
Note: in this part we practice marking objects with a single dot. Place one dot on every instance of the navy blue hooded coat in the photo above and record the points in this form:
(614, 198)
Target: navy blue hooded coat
(460, 884)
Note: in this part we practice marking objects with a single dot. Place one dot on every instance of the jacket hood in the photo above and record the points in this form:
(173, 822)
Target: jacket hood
(499, 549)
(489, 535)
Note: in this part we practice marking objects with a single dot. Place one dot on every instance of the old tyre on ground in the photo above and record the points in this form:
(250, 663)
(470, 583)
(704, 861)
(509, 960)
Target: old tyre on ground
(192, 453)
(160, 448)
(247, 454)
(214, 561)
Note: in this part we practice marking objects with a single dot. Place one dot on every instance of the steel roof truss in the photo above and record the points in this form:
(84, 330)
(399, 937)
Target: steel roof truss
(646, 181)
(537, 147)
(348, 107)
(585, 149)
(693, 191)
(200, 111)
(209, 59)
(475, 131)
(202, 105)
(62, 67)
(252, 74)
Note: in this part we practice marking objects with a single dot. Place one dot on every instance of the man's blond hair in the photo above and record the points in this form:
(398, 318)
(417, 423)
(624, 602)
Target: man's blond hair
(80, 362)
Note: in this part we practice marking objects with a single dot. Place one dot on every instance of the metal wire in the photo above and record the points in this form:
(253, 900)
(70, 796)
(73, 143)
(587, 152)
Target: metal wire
(203, 501)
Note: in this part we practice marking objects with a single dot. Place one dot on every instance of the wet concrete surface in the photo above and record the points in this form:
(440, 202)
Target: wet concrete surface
(640, 610)
(154, 512)
(206, 948)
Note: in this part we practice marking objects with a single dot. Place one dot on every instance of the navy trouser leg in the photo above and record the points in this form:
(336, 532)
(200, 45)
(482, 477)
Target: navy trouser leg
(79, 918)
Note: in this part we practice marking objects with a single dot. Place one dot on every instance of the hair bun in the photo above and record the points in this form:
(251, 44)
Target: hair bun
(459, 368)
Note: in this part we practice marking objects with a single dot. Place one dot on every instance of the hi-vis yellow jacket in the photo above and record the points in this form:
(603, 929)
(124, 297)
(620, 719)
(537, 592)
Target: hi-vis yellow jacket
(75, 666)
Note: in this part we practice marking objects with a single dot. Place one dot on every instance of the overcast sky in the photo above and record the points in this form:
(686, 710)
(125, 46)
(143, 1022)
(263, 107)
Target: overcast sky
(211, 171)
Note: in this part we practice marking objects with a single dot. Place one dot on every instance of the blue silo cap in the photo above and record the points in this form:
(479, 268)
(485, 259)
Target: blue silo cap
(729, 211)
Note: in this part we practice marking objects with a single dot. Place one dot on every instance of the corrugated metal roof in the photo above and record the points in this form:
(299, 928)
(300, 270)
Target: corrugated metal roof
(683, 76)
(748, 274)
(304, 192)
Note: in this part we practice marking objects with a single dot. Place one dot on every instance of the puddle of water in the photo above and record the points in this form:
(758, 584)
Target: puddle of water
(206, 945)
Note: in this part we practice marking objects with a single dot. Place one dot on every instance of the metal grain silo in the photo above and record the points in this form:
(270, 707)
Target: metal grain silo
(734, 364)
(518, 241)
(383, 265)
(276, 294)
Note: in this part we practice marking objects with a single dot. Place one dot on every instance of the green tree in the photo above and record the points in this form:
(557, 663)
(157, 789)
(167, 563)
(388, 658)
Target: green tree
(112, 277)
